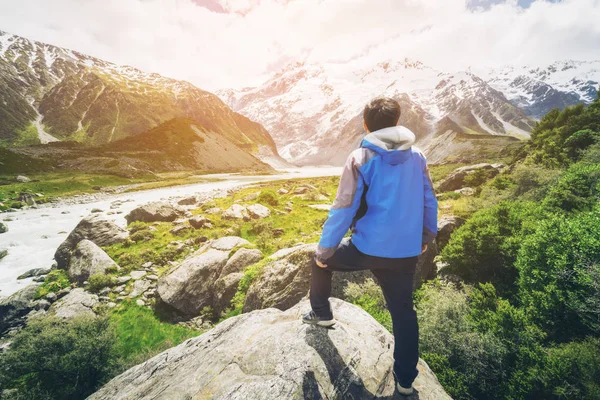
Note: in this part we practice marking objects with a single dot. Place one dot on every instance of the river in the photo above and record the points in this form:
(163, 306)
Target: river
(35, 233)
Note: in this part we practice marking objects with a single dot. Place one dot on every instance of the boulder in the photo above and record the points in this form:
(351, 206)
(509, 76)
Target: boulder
(88, 259)
(426, 268)
(198, 221)
(283, 191)
(180, 230)
(223, 291)
(286, 280)
(14, 308)
(3, 227)
(22, 179)
(101, 231)
(466, 191)
(189, 287)
(155, 212)
(236, 211)
(137, 274)
(240, 260)
(139, 287)
(270, 354)
(228, 243)
(188, 201)
(34, 272)
(77, 302)
(258, 211)
(456, 179)
(447, 225)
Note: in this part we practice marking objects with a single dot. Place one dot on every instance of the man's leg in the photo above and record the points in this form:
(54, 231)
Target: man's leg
(346, 258)
(396, 284)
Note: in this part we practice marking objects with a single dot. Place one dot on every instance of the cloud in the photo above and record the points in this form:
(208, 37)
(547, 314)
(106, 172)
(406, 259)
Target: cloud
(237, 43)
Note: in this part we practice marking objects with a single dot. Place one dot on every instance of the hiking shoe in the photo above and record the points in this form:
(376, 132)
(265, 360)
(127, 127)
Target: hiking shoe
(404, 391)
(312, 318)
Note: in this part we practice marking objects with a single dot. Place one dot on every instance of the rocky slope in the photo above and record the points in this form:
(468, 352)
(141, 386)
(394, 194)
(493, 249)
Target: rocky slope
(49, 94)
(269, 354)
(314, 112)
(180, 144)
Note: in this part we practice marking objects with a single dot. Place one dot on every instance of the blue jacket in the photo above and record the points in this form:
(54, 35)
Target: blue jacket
(386, 196)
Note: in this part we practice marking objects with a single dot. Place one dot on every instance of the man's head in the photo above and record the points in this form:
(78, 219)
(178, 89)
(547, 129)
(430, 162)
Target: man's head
(381, 112)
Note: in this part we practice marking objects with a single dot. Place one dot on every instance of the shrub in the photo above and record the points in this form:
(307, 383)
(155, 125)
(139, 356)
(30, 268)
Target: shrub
(559, 280)
(572, 371)
(470, 360)
(477, 178)
(369, 297)
(269, 197)
(485, 248)
(60, 359)
(449, 196)
(532, 181)
(98, 282)
(56, 280)
(578, 189)
(142, 235)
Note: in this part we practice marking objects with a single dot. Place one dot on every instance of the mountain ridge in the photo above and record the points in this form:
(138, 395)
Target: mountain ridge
(308, 107)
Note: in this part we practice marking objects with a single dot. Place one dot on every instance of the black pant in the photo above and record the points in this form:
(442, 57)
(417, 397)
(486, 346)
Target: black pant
(395, 276)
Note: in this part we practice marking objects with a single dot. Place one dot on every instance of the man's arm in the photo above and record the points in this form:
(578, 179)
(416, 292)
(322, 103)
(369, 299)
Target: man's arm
(431, 207)
(346, 204)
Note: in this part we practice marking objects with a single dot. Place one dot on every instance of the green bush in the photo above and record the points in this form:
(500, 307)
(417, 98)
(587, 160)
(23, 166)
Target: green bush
(485, 248)
(56, 280)
(269, 197)
(477, 178)
(142, 235)
(469, 362)
(57, 359)
(572, 371)
(369, 297)
(97, 282)
(559, 269)
(578, 189)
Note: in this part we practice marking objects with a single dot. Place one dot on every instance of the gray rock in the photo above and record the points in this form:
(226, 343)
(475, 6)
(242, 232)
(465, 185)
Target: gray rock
(22, 179)
(122, 279)
(188, 201)
(228, 243)
(252, 196)
(189, 287)
(137, 274)
(258, 211)
(446, 226)
(223, 291)
(214, 210)
(140, 302)
(323, 207)
(283, 191)
(42, 305)
(153, 212)
(52, 297)
(286, 280)
(96, 210)
(236, 211)
(95, 228)
(34, 272)
(3, 253)
(180, 230)
(139, 287)
(240, 260)
(77, 302)
(88, 259)
(270, 354)
(426, 268)
(14, 308)
(3, 227)
(456, 179)
(198, 221)
(466, 191)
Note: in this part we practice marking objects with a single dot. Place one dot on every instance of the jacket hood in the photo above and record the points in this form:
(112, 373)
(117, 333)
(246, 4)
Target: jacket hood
(392, 144)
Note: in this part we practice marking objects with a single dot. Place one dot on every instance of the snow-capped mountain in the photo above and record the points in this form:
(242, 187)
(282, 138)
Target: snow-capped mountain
(48, 93)
(314, 111)
(537, 90)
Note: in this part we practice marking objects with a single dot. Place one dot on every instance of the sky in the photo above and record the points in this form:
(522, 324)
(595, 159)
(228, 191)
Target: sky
(218, 44)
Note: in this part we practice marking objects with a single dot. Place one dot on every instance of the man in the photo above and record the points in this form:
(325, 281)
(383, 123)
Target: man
(386, 196)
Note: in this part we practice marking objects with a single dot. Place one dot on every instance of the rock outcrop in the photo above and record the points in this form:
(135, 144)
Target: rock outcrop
(88, 259)
(14, 308)
(101, 231)
(208, 277)
(159, 211)
(456, 180)
(76, 302)
(447, 225)
(270, 354)
(286, 280)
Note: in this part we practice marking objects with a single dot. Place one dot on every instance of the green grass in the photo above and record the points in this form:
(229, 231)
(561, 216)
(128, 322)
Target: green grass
(56, 280)
(141, 334)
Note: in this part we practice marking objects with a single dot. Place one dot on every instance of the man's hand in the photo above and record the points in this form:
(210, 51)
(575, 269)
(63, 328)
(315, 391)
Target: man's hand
(321, 265)
(424, 248)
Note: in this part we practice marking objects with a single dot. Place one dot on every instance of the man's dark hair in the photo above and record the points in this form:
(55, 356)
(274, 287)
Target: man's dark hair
(381, 112)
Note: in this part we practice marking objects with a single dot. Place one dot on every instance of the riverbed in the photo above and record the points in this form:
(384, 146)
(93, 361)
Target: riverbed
(35, 233)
